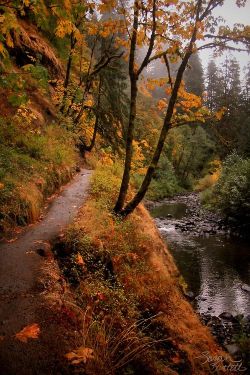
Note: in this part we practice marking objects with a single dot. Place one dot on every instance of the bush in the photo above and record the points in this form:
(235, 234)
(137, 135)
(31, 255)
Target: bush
(105, 184)
(164, 183)
(231, 193)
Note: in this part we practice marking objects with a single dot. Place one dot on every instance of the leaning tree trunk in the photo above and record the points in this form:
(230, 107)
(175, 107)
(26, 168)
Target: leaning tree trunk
(87, 148)
(133, 99)
(68, 71)
(166, 126)
(83, 147)
(129, 149)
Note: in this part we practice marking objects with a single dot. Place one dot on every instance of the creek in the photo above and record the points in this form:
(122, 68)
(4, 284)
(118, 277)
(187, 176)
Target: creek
(215, 266)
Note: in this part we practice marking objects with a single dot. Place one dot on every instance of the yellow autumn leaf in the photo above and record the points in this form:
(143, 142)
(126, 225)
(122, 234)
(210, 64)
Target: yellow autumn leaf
(161, 104)
(2, 50)
(1, 185)
(219, 114)
(29, 332)
(79, 260)
(80, 355)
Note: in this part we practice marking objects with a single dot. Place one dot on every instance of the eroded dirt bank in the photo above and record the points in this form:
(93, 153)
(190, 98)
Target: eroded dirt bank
(22, 288)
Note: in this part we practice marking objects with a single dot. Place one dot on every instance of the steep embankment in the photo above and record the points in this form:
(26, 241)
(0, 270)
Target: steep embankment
(37, 154)
(126, 286)
(31, 294)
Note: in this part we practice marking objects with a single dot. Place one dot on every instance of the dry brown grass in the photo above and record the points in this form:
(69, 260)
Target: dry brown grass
(149, 278)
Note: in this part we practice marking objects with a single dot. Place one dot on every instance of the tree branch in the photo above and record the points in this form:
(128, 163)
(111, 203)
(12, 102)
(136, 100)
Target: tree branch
(151, 41)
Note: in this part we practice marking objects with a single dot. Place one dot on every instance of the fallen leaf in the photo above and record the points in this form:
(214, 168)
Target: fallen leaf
(12, 240)
(101, 296)
(30, 252)
(79, 260)
(29, 332)
(80, 355)
(1, 185)
(176, 359)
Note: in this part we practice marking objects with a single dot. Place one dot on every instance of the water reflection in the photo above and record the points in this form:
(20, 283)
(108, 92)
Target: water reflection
(214, 267)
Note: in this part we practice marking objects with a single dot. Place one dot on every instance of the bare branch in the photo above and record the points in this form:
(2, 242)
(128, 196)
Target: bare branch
(151, 41)
(169, 71)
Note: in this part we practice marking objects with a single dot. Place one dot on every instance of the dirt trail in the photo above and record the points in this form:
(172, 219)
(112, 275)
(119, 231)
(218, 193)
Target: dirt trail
(21, 301)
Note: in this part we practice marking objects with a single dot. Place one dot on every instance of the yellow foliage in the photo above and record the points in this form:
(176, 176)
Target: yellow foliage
(2, 50)
(106, 5)
(210, 179)
(162, 104)
(64, 27)
(67, 5)
(219, 114)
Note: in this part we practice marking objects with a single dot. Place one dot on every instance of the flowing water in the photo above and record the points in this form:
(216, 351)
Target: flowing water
(215, 267)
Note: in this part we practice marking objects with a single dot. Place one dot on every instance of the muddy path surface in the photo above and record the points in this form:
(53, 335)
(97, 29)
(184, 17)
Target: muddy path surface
(21, 300)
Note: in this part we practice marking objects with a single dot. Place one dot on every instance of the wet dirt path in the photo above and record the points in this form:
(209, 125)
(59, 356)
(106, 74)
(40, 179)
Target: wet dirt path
(20, 301)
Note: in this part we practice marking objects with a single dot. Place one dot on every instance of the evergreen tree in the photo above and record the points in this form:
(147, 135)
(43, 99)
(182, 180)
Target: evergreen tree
(193, 76)
(213, 87)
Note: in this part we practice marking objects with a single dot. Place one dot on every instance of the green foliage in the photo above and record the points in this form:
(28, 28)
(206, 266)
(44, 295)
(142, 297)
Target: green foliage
(225, 90)
(164, 183)
(106, 192)
(190, 149)
(14, 86)
(32, 165)
(231, 194)
(39, 73)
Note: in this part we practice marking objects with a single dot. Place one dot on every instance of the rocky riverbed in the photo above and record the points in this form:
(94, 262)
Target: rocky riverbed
(215, 266)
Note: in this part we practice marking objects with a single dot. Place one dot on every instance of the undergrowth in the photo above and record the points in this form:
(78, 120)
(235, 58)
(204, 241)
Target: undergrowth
(126, 286)
(33, 163)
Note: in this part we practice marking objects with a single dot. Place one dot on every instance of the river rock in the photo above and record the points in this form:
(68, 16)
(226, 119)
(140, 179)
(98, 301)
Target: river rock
(245, 287)
(226, 316)
(200, 298)
(233, 349)
(190, 295)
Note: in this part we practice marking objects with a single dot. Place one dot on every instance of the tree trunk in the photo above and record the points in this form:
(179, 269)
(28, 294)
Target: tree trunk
(68, 71)
(133, 98)
(82, 146)
(129, 149)
(166, 126)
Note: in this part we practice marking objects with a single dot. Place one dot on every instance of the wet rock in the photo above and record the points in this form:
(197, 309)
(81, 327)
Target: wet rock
(245, 287)
(44, 249)
(200, 298)
(190, 295)
(227, 316)
(233, 349)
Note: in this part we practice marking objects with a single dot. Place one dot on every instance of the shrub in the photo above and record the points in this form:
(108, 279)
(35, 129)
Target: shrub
(231, 194)
(164, 182)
